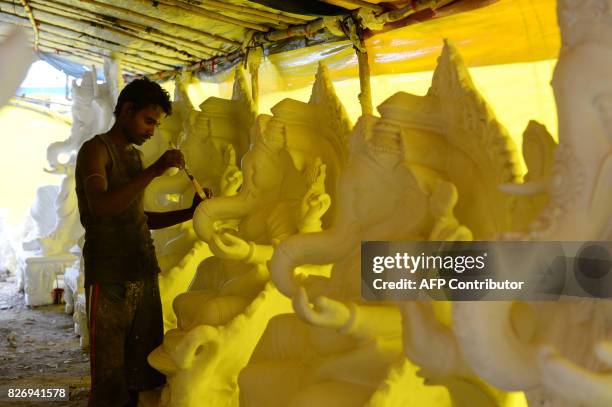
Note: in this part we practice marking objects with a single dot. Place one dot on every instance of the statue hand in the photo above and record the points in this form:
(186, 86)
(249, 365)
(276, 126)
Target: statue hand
(443, 199)
(232, 178)
(227, 246)
(316, 201)
(326, 312)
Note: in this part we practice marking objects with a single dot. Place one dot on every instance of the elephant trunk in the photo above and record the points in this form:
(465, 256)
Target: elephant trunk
(490, 344)
(221, 208)
(324, 247)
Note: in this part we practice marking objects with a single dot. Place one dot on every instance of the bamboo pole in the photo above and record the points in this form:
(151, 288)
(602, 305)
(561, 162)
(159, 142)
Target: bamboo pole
(153, 21)
(76, 35)
(94, 29)
(215, 16)
(255, 84)
(365, 96)
(305, 30)
(30, 15)
(200, 51)
(248, 11)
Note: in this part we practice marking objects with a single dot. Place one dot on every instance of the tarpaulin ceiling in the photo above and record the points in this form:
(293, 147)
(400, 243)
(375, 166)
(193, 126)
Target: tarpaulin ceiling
(508, 31)
(165, 35)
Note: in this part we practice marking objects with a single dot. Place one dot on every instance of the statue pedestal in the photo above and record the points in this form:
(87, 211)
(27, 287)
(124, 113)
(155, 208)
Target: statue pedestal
(74, 295)
(40, 276)
(80, 320)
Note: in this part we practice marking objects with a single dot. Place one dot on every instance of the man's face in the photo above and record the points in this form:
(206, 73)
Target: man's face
(139, 126)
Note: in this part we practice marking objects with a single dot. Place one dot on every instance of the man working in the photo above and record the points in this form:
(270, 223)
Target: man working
(124, 306)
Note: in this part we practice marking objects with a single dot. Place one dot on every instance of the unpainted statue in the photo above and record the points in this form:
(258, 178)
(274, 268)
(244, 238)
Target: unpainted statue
(211, 139)
(338, 350)
(92, 113)
(476, 154)
(560, 353)
(289, 176)
(14, 48)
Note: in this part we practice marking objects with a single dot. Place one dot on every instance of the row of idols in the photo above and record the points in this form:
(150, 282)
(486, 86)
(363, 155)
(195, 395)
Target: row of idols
(262, 299)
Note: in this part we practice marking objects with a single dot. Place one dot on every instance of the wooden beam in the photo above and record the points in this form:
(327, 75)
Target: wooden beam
(305, 30)
(28, 11)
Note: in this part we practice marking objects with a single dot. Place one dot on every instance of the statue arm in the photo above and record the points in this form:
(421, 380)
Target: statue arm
(369, 321)
(363, 322)
(259, 253)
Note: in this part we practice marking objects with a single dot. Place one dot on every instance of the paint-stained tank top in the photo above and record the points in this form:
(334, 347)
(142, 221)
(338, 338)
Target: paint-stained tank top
(118, 247)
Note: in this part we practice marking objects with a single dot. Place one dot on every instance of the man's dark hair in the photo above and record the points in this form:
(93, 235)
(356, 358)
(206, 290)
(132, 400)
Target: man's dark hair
(142, 93)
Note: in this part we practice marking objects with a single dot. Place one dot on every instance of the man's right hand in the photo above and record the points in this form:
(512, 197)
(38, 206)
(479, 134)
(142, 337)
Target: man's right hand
(171, 158)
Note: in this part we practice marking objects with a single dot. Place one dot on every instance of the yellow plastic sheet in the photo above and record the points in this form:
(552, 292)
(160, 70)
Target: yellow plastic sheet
(510, 46)
(508, 31)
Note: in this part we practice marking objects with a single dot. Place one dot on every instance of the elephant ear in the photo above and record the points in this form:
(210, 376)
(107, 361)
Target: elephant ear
(538, 151)
(477, 153)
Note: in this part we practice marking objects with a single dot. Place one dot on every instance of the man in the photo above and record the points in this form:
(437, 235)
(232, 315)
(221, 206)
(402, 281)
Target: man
(124, 307)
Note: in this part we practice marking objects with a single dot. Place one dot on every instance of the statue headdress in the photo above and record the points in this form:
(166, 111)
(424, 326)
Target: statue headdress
(465, 143)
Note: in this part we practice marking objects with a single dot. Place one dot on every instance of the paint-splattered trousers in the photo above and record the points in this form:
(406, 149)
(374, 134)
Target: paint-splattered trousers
(125, 325)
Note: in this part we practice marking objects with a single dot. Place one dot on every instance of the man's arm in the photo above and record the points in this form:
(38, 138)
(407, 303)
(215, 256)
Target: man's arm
(92, 161)
(160, 220)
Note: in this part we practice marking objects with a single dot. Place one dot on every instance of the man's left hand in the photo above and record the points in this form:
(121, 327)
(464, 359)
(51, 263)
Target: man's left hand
(196, 201)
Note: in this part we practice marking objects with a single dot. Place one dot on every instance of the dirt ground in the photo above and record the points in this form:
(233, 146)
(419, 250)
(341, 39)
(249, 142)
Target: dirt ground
(38, 346)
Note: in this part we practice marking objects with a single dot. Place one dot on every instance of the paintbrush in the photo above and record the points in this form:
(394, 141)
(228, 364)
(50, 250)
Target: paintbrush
(196, 185)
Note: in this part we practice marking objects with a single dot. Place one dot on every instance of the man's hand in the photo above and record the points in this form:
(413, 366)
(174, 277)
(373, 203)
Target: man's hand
(196, 201)
(171, 158)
